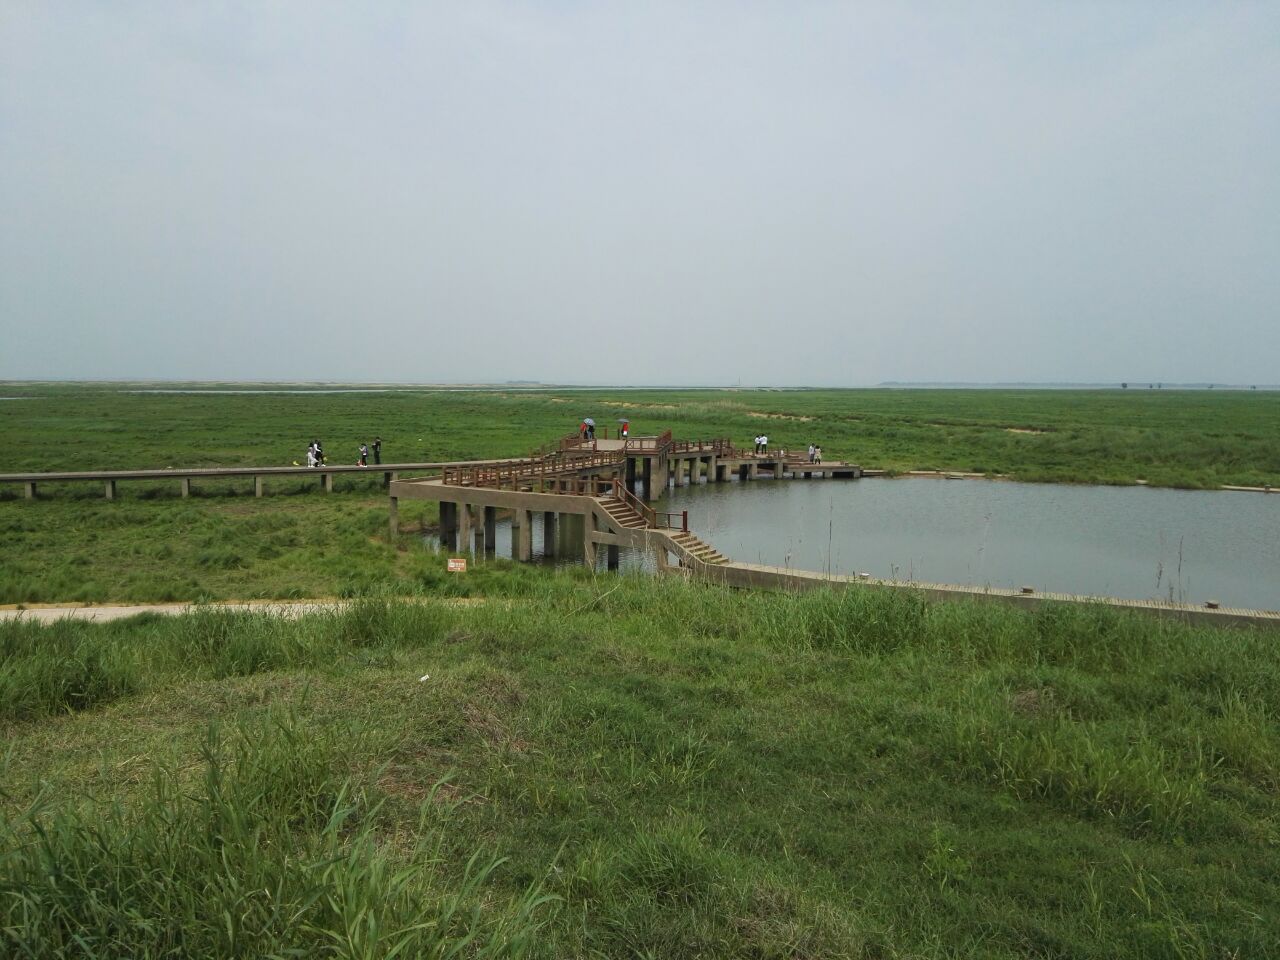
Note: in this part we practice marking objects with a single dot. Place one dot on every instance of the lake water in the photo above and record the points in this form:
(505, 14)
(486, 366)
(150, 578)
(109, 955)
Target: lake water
(1130, 542)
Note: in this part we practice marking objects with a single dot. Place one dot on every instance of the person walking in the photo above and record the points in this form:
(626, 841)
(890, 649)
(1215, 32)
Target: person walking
(319, 455)
(817, 453)
(764, 443)
(812, 448)
(311, 454)
(364, 454)
(757, 449)
(377, 450)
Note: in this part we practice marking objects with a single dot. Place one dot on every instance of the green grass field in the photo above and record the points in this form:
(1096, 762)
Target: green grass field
(623, 768)
(223, 543)
(610, 766)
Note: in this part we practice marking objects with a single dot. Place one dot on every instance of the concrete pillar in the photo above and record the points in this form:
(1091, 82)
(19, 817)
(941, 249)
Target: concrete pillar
(449, 525)
(660, 557)
(522, 536)
(186, 486)
(257, 485)
(647, 470)
(326, 482)
(465, 527)
(753, 472)
(490, 529)
(588, 545)
(395, 516)
(611, 557)
(549, 533)
(713, 468)
(110, 489)
(29, 489)
(677, 472)
(631, 475)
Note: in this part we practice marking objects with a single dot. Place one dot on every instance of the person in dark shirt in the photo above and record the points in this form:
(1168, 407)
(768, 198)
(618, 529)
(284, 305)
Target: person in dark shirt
(377, 450)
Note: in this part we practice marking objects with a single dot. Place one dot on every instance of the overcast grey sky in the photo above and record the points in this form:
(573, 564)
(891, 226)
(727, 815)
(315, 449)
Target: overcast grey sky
(777, 193)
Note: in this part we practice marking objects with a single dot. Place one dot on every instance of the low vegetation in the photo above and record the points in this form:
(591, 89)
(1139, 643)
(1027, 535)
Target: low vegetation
(623, 767)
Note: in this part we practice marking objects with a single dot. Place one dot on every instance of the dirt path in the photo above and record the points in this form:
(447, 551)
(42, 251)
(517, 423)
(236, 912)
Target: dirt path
(106, 612)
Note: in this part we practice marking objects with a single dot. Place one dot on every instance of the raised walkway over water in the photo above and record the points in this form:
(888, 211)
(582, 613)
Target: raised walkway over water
(598, 482)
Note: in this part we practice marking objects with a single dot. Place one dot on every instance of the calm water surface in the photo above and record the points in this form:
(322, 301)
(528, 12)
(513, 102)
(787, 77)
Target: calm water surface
(1107, 541)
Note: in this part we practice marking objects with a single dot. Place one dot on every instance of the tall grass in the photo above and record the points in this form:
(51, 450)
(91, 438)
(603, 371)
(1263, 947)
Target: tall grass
(269, 852)
(693, 771)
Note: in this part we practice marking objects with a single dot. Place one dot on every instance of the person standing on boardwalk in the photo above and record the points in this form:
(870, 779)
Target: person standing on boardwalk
(319, 455)
(812, 448)
(817, 453)
(377, 450)
(311, 454)
(364, 454)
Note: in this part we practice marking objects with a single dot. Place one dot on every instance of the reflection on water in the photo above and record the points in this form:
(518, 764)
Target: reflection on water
(1130, 542)
(1105, 541)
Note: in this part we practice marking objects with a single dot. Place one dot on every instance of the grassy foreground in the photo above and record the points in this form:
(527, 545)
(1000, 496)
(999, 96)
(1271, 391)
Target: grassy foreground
(631, 768)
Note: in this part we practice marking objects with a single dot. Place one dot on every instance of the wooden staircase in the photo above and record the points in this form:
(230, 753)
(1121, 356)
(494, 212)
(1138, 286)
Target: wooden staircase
(621, 514)
(690, 547)
(624, 517)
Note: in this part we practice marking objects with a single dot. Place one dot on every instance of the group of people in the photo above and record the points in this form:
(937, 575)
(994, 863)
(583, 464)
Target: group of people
(762, 449)
(315, 453)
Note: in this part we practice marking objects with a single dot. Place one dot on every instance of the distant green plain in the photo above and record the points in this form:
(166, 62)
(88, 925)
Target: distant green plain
(224, 543)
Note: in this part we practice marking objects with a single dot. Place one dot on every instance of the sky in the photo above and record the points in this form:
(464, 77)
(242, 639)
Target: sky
(791, 193)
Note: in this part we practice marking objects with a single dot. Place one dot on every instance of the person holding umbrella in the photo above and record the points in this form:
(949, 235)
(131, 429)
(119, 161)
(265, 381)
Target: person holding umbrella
(590, 432)
(625, 428)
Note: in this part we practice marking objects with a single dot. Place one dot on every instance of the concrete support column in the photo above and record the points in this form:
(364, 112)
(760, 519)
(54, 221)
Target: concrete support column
(522, 536)
(712, 468)
(394, 510)
(490, 529)
(449, 525)
(648, 478)
(257, 486)
(326, 482)
(186, 486)
(677, 472)
(588, 545)
(110, 489)
(660, 557)
(29, 489)
(549, 533)
(754, 471)
(631, 475)
(465, 527)
(611, 556)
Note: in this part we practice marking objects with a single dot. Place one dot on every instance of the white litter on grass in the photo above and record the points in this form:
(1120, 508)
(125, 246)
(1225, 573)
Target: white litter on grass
(424, 677)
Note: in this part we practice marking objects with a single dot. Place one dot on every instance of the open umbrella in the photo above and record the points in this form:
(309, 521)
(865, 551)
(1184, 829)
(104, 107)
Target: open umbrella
(624, 419)
(588, 421)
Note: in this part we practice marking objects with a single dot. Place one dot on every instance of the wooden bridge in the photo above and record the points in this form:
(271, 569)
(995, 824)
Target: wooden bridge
(598, 480)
